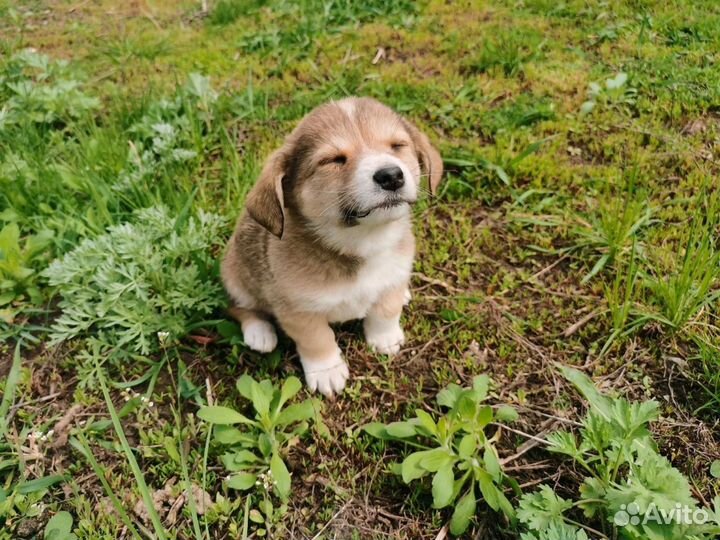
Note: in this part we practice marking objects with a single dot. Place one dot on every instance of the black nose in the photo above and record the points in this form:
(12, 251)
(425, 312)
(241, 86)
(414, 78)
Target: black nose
(390, 178)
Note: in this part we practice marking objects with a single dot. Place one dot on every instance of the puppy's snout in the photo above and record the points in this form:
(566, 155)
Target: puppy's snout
(389, 178)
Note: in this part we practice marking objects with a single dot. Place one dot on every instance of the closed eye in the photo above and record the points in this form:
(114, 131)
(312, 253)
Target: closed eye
(397, 146)
(338, 159)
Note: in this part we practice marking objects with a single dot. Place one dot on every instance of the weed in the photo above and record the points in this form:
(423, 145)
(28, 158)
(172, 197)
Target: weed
(502, 167)
(124, 50)
(40, 91)
(508, 52)
(609, 33)
(228, 11)
(9, 389)
(158, 527)
(163, 141)
(80, 443)
(615, 93)
(624, 471)
(312, 18)
(19, 495)
(682, 296)
(255, 455)
(143, 284)
(21, 499)
(612, 228)
(522, 112)
(59, 527)
(460, 455)
(622, 299)
(684, 35)
(708, 356)
(19, 260)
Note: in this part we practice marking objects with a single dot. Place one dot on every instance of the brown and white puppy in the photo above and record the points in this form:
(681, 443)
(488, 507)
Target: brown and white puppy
(327, 235)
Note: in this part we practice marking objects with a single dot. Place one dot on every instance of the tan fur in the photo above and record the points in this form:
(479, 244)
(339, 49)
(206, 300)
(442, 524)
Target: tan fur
(265, 202)
(290, 249)
(430, 158)
(244, 316)
(390, 303)
(311, 332)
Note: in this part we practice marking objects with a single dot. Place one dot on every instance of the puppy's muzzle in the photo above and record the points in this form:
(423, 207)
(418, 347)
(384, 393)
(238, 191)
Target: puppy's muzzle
(351, 215)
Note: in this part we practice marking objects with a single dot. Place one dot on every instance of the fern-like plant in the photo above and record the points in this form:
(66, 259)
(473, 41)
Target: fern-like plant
(154, 276)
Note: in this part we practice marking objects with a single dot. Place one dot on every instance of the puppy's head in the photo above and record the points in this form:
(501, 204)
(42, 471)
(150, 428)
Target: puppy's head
(348, 163)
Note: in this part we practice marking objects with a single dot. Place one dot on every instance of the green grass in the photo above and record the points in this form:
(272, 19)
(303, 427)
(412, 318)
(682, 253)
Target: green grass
(577, 223)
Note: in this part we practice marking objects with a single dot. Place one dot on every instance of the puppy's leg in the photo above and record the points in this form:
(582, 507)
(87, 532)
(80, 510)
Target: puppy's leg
(258, 333)
(323, 364)
(407, 296)
(382, 324)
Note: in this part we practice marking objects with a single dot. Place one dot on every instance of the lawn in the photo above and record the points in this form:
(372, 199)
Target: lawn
(560, 379)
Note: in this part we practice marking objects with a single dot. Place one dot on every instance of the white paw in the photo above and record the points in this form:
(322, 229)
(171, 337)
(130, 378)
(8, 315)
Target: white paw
(328, 375)
(259, 335)
(384, 335)
(407, 296)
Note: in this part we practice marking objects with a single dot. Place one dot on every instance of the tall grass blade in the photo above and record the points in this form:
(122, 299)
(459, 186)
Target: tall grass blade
(81, 445)
(134, 467)
(9, 393)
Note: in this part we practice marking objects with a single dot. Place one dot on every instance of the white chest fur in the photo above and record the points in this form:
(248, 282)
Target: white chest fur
(384, 267)
(354, 299)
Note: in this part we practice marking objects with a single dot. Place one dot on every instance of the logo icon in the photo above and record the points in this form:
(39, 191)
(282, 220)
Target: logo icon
(629, 514)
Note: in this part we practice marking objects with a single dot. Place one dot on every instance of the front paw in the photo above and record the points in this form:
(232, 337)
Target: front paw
(327, 375)
(259, 335)
(385, 337)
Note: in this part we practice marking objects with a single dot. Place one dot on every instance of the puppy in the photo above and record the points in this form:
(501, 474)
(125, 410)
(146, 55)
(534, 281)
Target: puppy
(327, 235)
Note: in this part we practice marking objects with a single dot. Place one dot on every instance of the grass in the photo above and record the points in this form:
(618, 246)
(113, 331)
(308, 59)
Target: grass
(577, 224)
(9, 390)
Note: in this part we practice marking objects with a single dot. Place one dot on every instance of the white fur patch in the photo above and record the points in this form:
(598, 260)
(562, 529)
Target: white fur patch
(383, 268)
(347, 105)
(368, 193)
(326, 375)
(259, 335)
(384, 335)
(369, 240)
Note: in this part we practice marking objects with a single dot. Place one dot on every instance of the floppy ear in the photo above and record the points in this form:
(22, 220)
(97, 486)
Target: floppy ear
(428, 156)
(265, 202)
